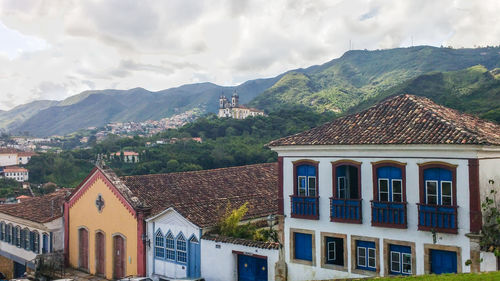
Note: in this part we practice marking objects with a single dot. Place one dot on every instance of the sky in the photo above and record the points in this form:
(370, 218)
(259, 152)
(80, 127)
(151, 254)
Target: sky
(55, 49)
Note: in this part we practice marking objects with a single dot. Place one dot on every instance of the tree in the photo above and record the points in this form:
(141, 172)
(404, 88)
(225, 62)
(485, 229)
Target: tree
(490, 233)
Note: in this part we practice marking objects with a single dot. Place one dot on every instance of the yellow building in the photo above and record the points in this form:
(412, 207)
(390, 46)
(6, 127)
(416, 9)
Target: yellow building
(104, 226)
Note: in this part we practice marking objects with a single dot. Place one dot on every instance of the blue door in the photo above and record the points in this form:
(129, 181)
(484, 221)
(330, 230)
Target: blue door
(194, 258)
(252, 268)
(443, 262)
(19, 270)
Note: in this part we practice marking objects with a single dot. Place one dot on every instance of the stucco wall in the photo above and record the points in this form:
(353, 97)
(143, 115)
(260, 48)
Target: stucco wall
(219, 263)
(489, 169)
(411, 158)
(175, 223)
(114, 219)
(8, 159)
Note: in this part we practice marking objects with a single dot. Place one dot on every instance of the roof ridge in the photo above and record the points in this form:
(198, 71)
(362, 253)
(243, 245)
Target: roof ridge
(198, 171)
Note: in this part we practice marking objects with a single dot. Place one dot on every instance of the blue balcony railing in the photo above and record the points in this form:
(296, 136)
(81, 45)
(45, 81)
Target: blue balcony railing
(437, 217)
(304, 207)
(389, 214)
(345, 210)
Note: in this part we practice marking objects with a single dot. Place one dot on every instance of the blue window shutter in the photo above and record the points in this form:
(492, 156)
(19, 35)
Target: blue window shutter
(303, 246)
(366, 244)
(51, 242)
(32, 241)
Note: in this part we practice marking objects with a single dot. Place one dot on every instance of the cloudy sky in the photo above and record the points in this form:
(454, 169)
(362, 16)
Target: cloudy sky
(55, 49)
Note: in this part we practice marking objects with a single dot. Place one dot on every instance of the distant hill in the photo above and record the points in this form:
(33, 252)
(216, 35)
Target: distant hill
(97, 108)
(466, 79)
(358, 75)
(474, 90)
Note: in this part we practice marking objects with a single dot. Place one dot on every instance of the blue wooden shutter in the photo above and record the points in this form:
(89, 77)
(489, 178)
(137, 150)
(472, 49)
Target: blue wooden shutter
(51, 242)
(303, 246)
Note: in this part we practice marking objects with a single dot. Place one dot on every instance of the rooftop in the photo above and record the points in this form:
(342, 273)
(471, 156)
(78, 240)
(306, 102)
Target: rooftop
(403, 119)
(203, 196)
(39, 209)
(13, 169)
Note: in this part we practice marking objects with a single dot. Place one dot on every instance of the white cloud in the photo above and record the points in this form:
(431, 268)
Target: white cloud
(68, 46)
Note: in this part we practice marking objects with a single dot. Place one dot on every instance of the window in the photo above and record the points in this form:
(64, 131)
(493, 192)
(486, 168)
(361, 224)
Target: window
(35, 242)
(306, 180)
(334, 251)
(7, 233)
(13, 235)
(169, 247)
(390, 183)
(438, 186)
(347, 180)
(2, 231)
(366, 255)
(45, 243)
(303, 246)
(400, 262)
(181, 249)
(26, 239)
(18, 236)
(159, 245)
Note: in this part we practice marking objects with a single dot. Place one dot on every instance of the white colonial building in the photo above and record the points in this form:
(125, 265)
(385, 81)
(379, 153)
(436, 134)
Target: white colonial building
(190, 206)
(30, 228)
(393, 190)
(233, 109)
(16, 173)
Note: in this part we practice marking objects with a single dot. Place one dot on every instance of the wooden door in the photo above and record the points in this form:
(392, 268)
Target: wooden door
(83, 259)
(99, 253)
(119, 257)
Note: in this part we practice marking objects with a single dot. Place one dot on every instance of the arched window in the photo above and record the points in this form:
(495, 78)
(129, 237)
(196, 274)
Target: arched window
(18, 236)
(181, 248)
(8, 233)
(35, 242)
(26, 238)
(306, 178)
(2, 231)
(159, 245)
(169, 247)
(45, 243)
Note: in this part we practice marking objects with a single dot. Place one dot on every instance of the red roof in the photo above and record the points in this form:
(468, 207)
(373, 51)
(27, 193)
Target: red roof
(404, 119)
(26, 153)
(203, 196)
(13, 169)
(39, 209)
(7, 150)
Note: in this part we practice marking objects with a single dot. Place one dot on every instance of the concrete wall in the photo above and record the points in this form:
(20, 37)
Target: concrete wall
(219, 263)
(410, 155)
(175, 223)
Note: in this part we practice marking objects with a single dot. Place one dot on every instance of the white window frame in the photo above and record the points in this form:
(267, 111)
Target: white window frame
(451, 193)
(328, 251)
(400, 193)
(358, 250)
(391, 261)
(427, 191)
(304, 188)
(340, 187)
(308, 193)
(380, 191)
(167, 237)
(403, 263)
(184, 251)
(374, 257)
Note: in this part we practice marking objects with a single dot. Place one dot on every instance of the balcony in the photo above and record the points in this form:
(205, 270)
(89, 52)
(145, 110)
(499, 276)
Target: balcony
(437, 217)
(304, 207)
(389, 214)
(345, 210)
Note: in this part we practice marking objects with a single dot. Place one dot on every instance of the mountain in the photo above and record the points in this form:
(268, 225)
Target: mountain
(474, 90)
(357, 75)
(16, 116)
(466, 79)
(97, 108)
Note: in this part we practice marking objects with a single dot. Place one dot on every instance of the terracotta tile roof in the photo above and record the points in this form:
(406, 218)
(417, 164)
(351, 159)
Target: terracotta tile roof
(240, 241)
(404, 119)
(13, 169)
(8, 150)
(26, 153)
(202, 196)
(39, 209)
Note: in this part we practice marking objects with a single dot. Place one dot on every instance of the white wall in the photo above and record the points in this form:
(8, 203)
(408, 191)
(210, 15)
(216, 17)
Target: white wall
(489, 169)
(8, 159)
(489, 262)
(173, 221)
(219, 263)
(412, 156)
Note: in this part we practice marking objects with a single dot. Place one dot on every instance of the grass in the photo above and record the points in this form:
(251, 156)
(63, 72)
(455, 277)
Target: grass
(495, 275)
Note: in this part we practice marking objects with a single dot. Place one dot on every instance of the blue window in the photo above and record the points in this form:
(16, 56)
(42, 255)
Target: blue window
(366, 255)
(438, 186)
(35, 242)
(347, 182)
(400, 260)
(45, 243)
(169, 247)
(15, 237)
(159, 245)
(306, 180)
(2, 231)
(7, 233)
(26, 238)
(390, 184)
(181, 249)
(303, 246)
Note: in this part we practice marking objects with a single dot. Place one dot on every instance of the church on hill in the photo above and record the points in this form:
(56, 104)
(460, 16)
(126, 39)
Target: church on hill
(234, 110)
